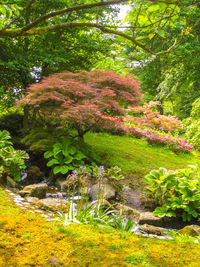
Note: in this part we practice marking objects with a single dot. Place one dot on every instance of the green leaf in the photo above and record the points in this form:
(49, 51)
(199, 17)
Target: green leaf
(68, 160)
(48, 154)
(52, 162)
(72, 150)
(57, 148)
(56, 169)
(64, 169)
(79, 156)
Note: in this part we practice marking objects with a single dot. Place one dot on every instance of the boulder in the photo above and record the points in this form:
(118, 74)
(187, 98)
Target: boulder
(191, 230)
(150, 229)
(149, 218)
(107, 191)
(34, 190)
(34, 175)
(32, 200)
(53, 204)
(133, 213)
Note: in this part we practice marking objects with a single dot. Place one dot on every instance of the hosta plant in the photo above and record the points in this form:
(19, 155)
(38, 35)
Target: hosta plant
(177, 193)
(11, 160)
(64, 157)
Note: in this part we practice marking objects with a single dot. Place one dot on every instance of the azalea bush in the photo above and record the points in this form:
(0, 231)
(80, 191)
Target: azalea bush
(158, 138)
(149, 116)
(177, 193)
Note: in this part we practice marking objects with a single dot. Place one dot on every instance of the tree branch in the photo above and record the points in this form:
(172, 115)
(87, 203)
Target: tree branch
(70, 9)
(28, 4)
(38, 31)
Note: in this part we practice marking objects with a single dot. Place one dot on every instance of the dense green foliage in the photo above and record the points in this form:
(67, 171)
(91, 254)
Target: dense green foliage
(177, 192)
(192, 124)
(65, 156)
(11, 160)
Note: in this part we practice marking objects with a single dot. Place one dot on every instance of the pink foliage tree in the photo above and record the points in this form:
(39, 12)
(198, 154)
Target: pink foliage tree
(81, 101)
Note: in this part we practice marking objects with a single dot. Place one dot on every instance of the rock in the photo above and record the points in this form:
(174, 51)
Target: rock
(191, 230)
(34, 190)
(107, 191)
(11, 183)
(133, 213)
(33, 175)
(149, 218)
(150, 229)
(32, 200)
(53, 204)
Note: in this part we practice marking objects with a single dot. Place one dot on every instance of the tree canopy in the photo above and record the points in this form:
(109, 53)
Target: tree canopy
(31, 18)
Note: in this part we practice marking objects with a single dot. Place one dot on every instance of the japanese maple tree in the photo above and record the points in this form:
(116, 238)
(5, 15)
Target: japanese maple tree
(81, 101)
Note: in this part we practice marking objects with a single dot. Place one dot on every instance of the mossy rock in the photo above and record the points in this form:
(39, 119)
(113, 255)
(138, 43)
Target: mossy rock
(53, 204)
(34, 190)
(191, 230)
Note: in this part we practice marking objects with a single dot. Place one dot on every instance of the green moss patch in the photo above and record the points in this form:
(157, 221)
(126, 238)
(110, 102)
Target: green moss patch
(28, 240)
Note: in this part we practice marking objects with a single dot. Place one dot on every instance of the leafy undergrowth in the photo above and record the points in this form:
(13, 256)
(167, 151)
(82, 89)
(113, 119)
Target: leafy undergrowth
(134, 156)
(28, 240)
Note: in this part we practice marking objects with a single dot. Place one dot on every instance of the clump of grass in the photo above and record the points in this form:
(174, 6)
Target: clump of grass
(136, 259)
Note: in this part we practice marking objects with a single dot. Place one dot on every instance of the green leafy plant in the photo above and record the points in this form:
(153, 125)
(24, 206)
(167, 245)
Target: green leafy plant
(176, 192)
(119, 223)
(64, 157)
(11, 160)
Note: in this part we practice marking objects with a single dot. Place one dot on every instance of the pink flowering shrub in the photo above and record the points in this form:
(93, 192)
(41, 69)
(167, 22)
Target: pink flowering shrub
(148, 116)
(153, 137)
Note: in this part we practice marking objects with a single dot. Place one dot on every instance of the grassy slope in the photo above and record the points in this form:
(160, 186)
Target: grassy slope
(135, 156)
(28, 240)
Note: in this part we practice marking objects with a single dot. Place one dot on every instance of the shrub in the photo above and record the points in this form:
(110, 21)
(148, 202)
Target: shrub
(11, 160)
(158, 138)
(192, 125)
(147, 115)
(177, 192)
(64, 156)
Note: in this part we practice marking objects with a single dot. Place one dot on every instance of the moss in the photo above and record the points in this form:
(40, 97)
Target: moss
(28, 240)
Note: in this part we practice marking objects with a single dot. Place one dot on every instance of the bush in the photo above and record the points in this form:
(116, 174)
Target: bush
(177, 192)
(148, 116)
(11, 160)
(192, 125)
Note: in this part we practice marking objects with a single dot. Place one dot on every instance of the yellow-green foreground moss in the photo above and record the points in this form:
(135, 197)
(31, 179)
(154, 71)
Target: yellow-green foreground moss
(28, 240)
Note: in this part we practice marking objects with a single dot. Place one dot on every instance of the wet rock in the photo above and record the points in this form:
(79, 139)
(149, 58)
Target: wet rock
(148, 203)
(32, 200)
(34, 190)
(107, 191)
(33, 175)
(191, 230)
(149, 218)
(150, 229)
(53, 204)
(133, 213)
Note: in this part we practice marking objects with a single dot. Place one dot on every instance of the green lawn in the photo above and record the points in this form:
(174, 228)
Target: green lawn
(135, 156)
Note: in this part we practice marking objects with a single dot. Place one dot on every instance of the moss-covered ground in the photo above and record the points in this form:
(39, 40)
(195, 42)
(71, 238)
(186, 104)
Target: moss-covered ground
(26, 239)
(135, 156)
